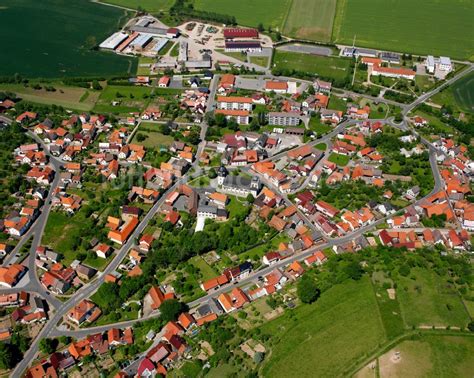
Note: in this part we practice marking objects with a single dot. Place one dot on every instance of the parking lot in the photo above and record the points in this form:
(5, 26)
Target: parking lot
(306, 49)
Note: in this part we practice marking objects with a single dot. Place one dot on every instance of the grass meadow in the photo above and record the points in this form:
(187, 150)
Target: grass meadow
(430, 356)
(130, 99)
(322, 339)
(154, 138)
(69, 97)
(429, 300)
(413, 26)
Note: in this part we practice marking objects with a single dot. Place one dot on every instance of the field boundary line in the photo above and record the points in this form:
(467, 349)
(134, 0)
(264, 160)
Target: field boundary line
(285, 19)
(338, 16)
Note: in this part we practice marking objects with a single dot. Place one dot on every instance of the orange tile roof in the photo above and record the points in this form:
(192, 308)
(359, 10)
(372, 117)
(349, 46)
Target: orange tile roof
(232, 113)
(186, 320)
(276, 85)
(206, 319)
(241, 100)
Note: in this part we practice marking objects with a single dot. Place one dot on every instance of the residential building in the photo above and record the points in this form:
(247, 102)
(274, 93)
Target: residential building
(283, 119)
(242, 117)
(234, 103)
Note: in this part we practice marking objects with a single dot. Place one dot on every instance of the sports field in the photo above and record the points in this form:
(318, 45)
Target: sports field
(417, 26)
(310, 19)
(325, 66)
(322, 339)
(148, 5)
(463, 91)
(249, 12)
(53, 38)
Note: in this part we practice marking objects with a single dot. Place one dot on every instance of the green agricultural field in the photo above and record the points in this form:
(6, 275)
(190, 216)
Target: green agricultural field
(430, 300)
(323, 339)
(54, 38)
(430, 356)
(249, 12)
(324, 66)
(148, 5)
(310, 19)
(68, 97)
(463, 91)
(413, 26)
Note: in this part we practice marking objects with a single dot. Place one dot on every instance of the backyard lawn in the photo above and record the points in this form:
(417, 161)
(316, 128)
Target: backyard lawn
(206, 270)
(340, 160)
(154, 138)
(236, 206)
(61, 234)
(319, 127)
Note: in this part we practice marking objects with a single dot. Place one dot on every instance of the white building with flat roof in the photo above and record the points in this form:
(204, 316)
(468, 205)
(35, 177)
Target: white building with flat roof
(445, 64)
(430, 64)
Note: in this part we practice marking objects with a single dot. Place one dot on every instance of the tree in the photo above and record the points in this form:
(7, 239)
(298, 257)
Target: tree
(470, 326)
(7, 360)
(220, 119)
(260, 27)
(258, 357)
(141, 137)
(311, 90)
(96, 85)
(212, 173)
(170, 309)
(354, 270)
(107, 297)
(307, 290)
(250, 198)
(48, 346)
(404, 270)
